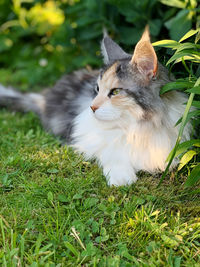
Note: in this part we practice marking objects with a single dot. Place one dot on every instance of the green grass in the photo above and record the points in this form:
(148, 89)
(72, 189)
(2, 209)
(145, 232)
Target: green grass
(56, 209)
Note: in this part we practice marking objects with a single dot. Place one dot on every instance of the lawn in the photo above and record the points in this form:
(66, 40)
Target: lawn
(57, 210)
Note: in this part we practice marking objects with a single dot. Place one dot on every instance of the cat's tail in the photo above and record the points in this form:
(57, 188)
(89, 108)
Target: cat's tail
(17, 101)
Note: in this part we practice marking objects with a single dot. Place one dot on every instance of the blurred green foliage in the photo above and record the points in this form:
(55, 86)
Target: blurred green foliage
(39, 40)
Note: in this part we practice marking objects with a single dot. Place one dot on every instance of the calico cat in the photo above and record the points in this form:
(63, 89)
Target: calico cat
(114, 115)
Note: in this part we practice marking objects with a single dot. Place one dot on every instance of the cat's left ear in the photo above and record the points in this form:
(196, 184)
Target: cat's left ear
(111, 51)
(144, 56)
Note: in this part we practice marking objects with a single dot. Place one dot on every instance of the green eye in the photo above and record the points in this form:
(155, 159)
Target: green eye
(114, 91)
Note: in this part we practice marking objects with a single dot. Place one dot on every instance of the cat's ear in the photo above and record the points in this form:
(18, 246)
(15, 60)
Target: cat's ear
(144, 56)
(111, 51)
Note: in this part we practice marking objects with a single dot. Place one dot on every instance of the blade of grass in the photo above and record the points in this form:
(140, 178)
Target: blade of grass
(2, 232)
(22, 241)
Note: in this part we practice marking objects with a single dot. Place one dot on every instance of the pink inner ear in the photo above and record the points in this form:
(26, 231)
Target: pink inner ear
(146, 67)
(147, 64)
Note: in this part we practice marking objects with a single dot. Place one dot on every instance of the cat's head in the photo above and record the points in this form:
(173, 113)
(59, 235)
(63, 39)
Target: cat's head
(128, 85)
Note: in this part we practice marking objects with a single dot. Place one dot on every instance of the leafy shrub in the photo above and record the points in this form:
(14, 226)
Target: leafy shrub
(39, 40)
(186, 52)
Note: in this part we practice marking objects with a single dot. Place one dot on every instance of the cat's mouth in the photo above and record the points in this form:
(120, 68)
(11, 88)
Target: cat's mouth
(107, 115)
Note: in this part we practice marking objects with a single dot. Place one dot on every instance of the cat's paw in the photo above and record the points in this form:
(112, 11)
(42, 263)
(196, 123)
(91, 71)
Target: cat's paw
(121, 178)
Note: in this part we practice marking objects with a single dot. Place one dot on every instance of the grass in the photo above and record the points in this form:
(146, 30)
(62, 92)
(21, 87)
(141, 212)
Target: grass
(56, 209)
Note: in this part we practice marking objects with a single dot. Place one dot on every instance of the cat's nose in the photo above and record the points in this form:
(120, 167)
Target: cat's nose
(94, 108)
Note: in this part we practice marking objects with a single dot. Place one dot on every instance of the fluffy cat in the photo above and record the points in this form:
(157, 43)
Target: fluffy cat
(115, 115)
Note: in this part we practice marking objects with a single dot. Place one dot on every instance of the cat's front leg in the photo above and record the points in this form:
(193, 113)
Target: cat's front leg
(118, 174)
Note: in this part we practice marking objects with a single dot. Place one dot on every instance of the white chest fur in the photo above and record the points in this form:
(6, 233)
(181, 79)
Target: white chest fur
(122, 151)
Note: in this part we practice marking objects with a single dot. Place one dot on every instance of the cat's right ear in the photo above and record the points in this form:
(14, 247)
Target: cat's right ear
(111, 51)
(144, 56)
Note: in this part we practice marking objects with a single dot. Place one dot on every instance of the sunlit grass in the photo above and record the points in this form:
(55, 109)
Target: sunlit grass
(57, 209)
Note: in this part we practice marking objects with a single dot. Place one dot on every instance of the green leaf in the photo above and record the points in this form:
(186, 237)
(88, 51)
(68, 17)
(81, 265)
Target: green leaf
(197, 38)
(194, 176)
(180, 24)
(72, 248)
(169, 241)
(85, 21)
(138, 201)
(196, 104)
(166, 43)
(177, 261)
(187, 45)
(129, 35)
(52, 171)
(102, 207)
(195, 90)
(90, 251)
(174, 3)
(189, 34)
(190, 115)
(187, 144)
(192, 58)
(178, 85)
(78, 196)
(90, 202)
(155, 26)
(62, 198)
(50, 196)
(85, 34)
(95, 227)
(103, 237)
(186, 158)
(189, 53)
(100, 239)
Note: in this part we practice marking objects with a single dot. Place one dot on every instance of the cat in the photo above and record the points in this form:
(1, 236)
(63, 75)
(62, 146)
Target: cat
(114, 115)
